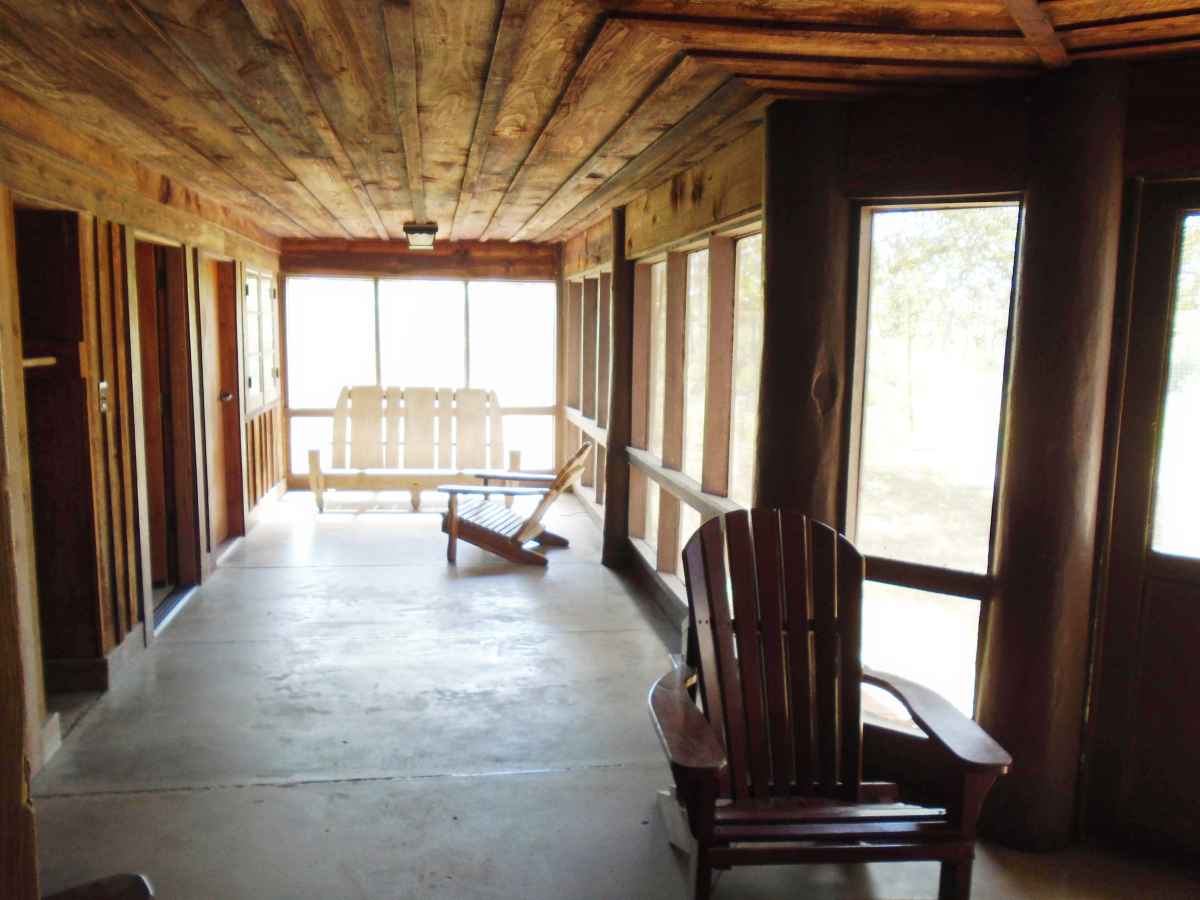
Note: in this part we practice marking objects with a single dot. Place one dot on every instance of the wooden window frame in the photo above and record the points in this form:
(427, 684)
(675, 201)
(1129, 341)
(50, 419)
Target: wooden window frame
(709, 496)
(550, 410)
(969, 586)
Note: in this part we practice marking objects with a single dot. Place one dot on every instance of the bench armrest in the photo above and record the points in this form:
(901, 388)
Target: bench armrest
(485, 489)
(960, 736)
(687, 738)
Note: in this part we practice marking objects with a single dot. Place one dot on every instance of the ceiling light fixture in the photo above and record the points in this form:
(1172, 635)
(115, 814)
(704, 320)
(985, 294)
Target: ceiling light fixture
(420, 235)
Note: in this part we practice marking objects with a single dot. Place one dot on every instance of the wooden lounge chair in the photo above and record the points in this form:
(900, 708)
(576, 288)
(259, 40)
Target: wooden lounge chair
(477, 520)
(770, 770)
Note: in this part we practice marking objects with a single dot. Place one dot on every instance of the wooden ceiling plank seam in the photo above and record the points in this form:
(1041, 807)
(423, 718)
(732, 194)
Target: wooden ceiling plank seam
(592, 108)
(510, 29)
(354, 178)
(342, 54)
(29, 97)
(685, 86)
(842, 85)
(784, 37)
(402, 51)
(1039, 31)
(454, 45)
(39, 133)
(316, 164)
(663, 158)
(99, 75)
(248, 137)
(493, 185)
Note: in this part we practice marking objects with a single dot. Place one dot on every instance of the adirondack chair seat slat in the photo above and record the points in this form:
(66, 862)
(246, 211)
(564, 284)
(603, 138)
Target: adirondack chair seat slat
(410, 439)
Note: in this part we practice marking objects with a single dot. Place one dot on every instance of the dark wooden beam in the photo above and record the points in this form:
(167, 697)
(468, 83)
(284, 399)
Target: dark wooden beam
(448, 259)
(1039, 31)
(805, 373)
(1033, 667)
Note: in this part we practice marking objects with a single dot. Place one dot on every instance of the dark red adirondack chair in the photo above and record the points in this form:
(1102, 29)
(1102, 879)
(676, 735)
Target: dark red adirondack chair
(769, 766)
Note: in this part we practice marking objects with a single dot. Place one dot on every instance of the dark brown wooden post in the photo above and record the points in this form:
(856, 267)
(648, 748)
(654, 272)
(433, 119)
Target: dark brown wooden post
(620, 401)
(805, 372)
(1034, 663)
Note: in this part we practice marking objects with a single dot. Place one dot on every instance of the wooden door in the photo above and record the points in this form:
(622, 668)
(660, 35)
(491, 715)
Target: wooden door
(70, 581)
(1146, 731)
(218, 330)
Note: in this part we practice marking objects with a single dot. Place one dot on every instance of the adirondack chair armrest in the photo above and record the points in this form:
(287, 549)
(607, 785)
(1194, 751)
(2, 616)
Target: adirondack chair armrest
(485, 489)
(959, 735)
(505, 475)
(687, 738)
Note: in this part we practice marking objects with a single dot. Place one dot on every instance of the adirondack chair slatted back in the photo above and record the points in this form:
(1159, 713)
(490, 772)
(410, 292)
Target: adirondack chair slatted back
(779, 665)
(417, 428)
(570, 473)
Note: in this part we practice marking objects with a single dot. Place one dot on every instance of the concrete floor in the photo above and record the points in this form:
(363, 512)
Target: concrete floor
(338, 714)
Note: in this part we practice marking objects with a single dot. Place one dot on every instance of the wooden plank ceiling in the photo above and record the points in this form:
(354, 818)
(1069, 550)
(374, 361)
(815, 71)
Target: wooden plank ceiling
(502, 119)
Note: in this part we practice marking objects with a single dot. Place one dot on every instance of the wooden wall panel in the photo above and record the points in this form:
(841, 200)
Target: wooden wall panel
(589, 249)
(264, 453)
(447, 259)
(966, 142)
(726, 187)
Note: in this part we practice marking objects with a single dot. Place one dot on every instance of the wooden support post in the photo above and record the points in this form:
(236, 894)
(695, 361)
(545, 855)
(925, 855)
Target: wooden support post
(574, 342)
(588, 354)
(619, 405)
(718, 413)
(20, 652)
(673, 403)
(805, 370)
(1034, 662)
(639, 390)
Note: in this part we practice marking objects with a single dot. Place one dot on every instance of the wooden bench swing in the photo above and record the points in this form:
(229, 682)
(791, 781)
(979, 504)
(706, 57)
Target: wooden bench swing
(410, 439)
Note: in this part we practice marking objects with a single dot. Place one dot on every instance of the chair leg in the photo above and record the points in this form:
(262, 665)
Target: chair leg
(550, 539)
(700, 874)
(452, 530)
(316, 481)
(955, 881)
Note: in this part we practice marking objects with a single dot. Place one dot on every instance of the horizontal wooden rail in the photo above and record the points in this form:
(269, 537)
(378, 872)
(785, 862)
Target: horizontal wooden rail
(971, 585)
(678, 485)
(39, 362)
(587, 426)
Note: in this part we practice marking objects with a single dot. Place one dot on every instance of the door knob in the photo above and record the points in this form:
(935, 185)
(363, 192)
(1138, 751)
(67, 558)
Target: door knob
(225, 396)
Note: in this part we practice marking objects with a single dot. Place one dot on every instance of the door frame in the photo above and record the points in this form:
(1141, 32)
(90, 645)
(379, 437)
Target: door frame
(1126, 561)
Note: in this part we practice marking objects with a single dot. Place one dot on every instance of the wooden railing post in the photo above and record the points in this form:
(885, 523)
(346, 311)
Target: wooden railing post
(620, 402)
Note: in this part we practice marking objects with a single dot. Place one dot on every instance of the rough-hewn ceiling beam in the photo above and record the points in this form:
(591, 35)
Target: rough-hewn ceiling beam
(1039, 31)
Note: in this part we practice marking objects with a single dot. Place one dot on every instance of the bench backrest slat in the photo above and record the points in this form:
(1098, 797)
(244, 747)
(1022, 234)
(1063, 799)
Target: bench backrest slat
(417, 428)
